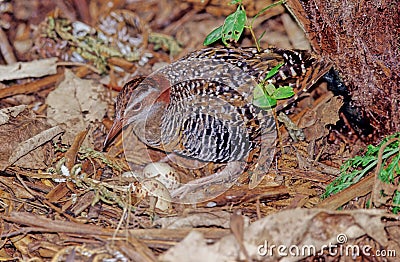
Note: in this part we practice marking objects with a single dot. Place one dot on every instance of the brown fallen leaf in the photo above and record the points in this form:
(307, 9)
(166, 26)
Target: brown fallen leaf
(34, 142)
(74, 104)
(314, 122)
(22, 135)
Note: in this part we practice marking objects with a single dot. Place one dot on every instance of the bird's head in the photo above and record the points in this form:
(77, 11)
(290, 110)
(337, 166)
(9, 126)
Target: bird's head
(139, 101)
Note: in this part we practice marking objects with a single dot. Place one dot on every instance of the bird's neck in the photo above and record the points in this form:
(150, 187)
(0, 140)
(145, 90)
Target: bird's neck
(149, 130)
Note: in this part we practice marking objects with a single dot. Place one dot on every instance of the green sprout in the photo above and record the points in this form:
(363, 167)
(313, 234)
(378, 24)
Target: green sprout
(234, 24)
(265, 95)
(354, 169)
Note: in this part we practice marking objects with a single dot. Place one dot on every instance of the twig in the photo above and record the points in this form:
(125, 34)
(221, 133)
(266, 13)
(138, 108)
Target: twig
(376, 189)
(360, 189)
(40, 224)
(92, 68)
(32, 87)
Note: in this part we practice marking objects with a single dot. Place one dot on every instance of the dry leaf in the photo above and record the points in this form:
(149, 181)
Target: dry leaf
(329, 112)
(74, 104)
(10, 111)
(314, 122)
(19, 126)
(36, 68)
(192, 248)
(34, 142)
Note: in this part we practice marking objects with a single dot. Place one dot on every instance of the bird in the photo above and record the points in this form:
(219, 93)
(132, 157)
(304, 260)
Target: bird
(200, 107)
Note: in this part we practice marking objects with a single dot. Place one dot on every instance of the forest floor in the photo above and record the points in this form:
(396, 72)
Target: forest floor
(63, 198)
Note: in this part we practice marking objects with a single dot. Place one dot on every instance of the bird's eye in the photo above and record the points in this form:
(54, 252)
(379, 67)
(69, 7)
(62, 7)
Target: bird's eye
(137, 106)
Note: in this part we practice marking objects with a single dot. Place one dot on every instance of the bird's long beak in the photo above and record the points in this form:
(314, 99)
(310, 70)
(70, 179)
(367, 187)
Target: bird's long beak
(113, 133)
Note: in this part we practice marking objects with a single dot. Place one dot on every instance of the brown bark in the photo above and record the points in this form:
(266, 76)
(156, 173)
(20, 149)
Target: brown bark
(362, 40)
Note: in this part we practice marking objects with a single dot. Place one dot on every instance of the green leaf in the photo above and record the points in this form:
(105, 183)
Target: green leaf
(233, 26)
(273, 71)
(264, 102)
(214, 36)
(258, 91)
(270, 89)
(357, 167)
(234, 2)
(283, 92)
(396, 202)
(261, 99)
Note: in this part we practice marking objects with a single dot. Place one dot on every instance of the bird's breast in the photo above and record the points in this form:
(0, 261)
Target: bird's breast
(209, 125)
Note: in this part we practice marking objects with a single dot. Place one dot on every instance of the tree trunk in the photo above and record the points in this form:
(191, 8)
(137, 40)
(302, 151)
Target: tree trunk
(362, 39)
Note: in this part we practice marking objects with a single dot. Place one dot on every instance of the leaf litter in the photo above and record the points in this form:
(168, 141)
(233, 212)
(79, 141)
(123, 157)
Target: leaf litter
(65, 199)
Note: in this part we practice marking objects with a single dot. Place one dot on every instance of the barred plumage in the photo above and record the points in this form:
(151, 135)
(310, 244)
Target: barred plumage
(224, 134)
(201, 105)
(300, 68)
